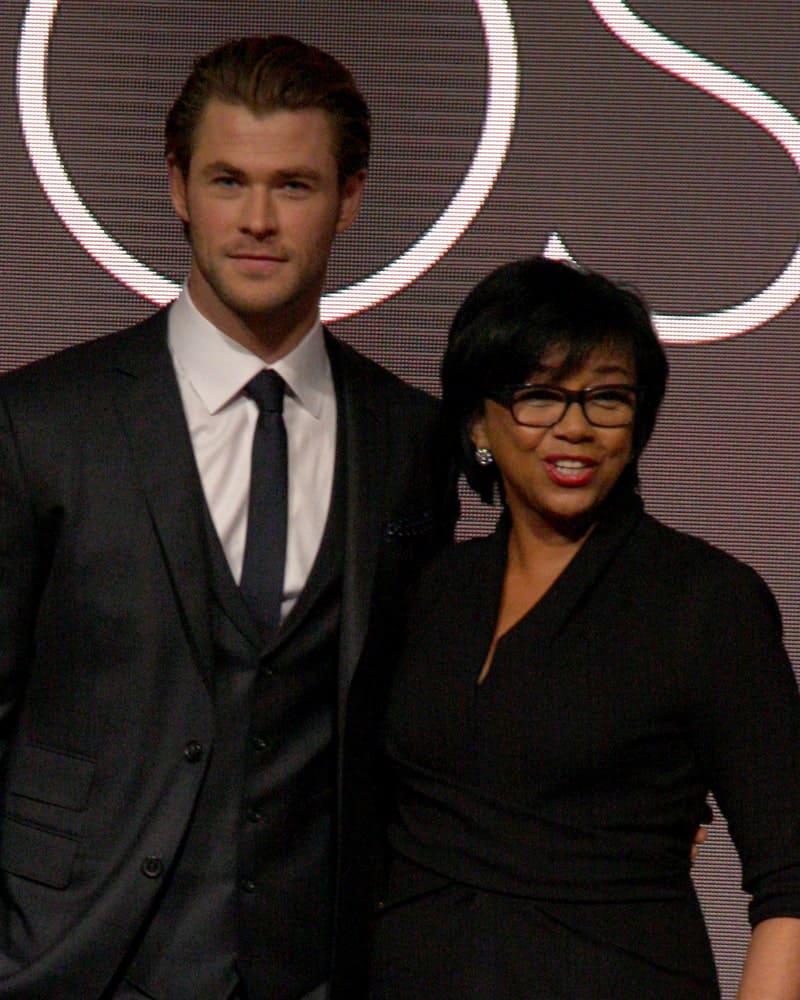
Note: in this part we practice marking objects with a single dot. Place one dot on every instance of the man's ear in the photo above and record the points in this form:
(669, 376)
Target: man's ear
(350, 203)
(177, 189)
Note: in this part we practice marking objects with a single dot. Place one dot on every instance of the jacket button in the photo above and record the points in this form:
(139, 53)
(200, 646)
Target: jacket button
(247, 885)
(152, 867)
(193, 751)
(253, 814)
(259, 743)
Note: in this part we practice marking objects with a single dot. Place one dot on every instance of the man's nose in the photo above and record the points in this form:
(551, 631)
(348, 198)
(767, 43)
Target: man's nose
(258, 213)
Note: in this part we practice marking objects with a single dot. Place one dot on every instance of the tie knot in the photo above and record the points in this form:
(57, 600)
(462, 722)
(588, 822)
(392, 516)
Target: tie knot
(266, 390)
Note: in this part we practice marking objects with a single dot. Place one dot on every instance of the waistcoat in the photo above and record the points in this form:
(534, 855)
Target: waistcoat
(249, 898)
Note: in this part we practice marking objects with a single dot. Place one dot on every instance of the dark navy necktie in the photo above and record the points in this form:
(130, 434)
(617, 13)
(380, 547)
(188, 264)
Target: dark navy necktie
(267, 514)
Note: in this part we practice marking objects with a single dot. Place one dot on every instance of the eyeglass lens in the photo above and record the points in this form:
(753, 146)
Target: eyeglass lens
(544, 406)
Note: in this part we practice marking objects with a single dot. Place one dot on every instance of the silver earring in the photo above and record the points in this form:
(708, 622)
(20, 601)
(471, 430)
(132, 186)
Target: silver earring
(483, 456)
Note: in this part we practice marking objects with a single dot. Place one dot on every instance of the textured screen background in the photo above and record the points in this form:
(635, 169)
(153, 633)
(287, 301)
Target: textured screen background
(658, 142)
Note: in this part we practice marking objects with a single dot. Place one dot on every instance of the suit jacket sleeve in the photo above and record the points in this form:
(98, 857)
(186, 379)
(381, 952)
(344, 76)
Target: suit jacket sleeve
(19, 553)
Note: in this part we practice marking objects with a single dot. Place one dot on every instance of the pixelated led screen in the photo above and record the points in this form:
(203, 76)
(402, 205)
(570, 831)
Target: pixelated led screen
(657, 142)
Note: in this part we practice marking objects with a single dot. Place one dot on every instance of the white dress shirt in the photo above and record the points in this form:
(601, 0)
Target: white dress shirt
(212, 371)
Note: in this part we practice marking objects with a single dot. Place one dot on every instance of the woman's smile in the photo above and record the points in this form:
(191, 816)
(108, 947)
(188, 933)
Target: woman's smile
(569, 470)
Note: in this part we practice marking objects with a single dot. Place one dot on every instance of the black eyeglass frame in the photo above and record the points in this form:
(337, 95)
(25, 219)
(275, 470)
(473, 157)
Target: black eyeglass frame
(505, 396)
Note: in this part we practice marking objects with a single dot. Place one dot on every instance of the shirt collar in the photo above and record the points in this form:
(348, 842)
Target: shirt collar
(218, 368)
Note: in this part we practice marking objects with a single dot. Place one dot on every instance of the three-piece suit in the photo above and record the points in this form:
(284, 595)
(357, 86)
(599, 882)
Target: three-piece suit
(170, 785)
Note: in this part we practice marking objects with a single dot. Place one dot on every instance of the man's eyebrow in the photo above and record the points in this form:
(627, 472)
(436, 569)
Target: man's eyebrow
(283, 173)
(221, 167)
(309, 173)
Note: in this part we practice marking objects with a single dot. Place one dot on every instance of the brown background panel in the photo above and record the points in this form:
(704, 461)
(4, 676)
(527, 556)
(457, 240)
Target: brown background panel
(646, 178)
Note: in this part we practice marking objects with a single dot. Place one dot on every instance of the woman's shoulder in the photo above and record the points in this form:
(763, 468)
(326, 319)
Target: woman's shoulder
(678, 559)
(675, 544)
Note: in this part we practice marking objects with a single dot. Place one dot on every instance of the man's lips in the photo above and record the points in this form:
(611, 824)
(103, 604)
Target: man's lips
(258, 254)
(256, 263)
(570, 470)
(259, 258)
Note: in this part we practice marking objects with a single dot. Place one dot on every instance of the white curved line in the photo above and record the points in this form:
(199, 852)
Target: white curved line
(498, 125)
(60, 191)
(760, 108)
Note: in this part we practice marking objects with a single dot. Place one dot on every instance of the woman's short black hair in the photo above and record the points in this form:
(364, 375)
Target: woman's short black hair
(514, 316)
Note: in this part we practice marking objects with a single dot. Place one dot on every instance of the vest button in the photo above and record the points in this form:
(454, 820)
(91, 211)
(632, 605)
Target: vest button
(259, 743)
(253, 814)
(193, 751)
(152, 867)
(247, 885)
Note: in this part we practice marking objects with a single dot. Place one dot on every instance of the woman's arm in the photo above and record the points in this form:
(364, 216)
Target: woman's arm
(772, 966)
(749, 746)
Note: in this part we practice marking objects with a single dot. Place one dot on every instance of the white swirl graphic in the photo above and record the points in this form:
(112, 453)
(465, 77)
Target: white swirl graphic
(760, 108)
(487, 161)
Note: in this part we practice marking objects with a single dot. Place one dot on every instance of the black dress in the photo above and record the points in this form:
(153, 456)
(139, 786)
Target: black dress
(544, 818)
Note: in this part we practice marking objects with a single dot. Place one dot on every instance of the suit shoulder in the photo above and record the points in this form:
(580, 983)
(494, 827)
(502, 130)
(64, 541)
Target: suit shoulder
(351, 363)
(74, 368)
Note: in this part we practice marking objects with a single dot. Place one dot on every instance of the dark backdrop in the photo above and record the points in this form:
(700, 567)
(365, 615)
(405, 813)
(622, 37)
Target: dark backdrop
(655, 142)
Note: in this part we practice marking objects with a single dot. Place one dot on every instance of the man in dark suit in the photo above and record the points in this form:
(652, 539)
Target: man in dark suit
(185, 736)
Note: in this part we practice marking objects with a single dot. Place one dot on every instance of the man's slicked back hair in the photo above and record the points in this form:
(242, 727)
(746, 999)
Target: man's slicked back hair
(273, 73)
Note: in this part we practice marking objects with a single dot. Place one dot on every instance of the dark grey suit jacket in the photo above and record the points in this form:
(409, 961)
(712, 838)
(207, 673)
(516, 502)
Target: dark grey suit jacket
(105, 646)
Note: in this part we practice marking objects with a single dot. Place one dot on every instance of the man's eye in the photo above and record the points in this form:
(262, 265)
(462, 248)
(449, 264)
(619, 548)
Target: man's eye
(225, 181)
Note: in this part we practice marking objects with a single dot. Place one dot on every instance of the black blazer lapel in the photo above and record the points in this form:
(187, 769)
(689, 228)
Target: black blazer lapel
(147, 398)
(553, 613)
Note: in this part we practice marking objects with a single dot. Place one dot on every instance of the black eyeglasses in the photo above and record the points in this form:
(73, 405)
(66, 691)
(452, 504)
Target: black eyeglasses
(545, 405)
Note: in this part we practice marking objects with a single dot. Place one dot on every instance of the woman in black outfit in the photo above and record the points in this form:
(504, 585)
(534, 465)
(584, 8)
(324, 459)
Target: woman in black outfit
(572, 686)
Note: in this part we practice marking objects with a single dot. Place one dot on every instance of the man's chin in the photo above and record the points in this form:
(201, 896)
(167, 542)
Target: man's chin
(258, 306)
(275, 313)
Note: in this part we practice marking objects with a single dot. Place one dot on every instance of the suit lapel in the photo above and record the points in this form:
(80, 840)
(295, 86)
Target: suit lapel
(225, 587)
(148, 402)
(363, 435)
